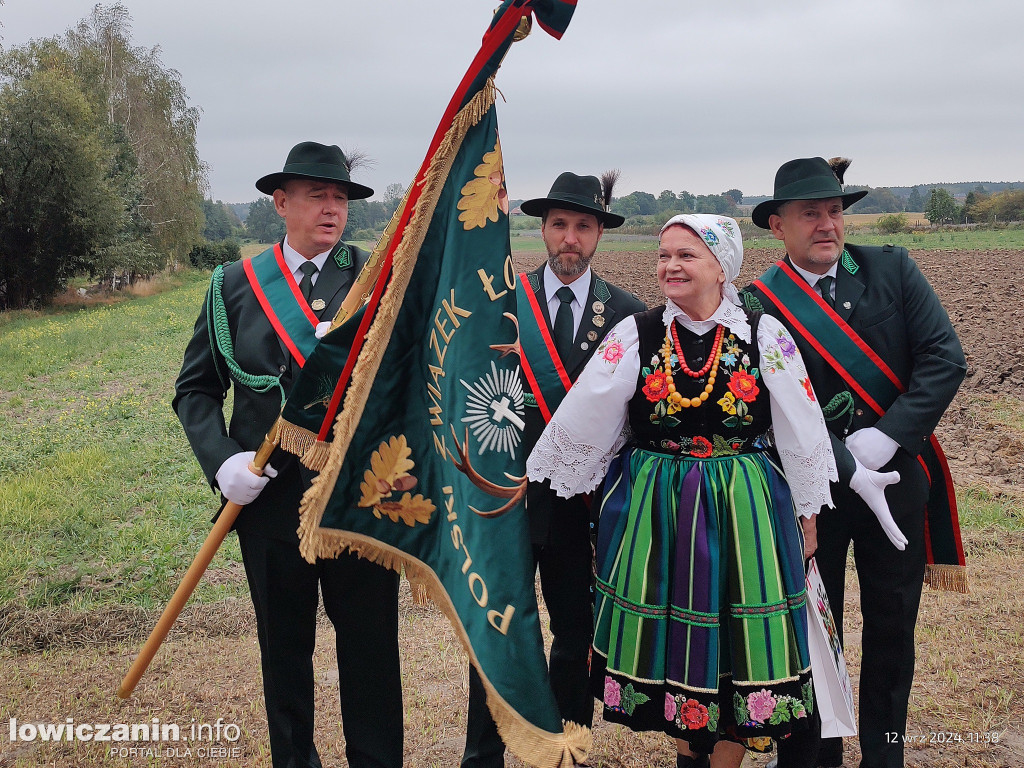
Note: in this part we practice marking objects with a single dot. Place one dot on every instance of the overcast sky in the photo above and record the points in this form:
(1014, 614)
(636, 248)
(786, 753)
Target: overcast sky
(701, 96)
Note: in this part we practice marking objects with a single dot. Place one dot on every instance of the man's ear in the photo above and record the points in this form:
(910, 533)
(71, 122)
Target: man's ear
(775, 224)
(280, 198)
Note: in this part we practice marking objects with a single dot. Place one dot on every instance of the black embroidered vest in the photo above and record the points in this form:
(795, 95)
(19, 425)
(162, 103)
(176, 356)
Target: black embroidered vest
(734, 417)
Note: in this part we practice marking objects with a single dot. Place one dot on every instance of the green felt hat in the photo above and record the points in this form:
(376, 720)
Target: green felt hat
(310, 160)
(575, 193)
(807, 178)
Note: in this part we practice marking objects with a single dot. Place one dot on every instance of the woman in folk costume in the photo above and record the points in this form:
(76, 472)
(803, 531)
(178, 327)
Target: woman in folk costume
(700, 626)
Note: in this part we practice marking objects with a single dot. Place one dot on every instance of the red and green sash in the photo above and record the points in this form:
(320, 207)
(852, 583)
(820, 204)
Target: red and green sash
(542, 367)
(282, 302)
(826, 334)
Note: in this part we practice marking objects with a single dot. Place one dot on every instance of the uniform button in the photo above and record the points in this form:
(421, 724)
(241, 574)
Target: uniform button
(282, 368)
(860, 411)
(699, 360)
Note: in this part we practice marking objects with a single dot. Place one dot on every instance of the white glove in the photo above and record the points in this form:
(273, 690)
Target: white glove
(240, 484)
(322, 329)
(872, 447)
(870, 486)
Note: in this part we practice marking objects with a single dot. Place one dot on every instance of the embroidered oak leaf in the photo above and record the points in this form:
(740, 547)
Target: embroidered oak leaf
(388, 473)
(485, 194)
(409, 509)
(389, 470)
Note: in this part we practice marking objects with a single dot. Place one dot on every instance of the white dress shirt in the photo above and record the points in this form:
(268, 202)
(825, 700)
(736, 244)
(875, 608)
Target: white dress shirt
(812, 278)
(580, 289)
(294, 260)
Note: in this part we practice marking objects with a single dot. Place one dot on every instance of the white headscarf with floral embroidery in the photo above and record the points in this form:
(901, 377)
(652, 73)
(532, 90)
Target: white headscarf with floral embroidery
(722, 237)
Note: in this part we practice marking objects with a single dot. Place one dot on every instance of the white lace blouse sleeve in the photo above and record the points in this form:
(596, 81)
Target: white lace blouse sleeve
(588, 428)
(800, 435)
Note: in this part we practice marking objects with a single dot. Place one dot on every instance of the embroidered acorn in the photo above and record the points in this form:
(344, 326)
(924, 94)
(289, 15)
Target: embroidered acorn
(404, 483)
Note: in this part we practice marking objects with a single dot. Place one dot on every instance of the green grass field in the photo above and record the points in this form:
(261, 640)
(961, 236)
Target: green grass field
(101, 501)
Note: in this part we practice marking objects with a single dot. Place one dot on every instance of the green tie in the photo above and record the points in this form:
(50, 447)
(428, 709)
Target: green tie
(306, 283)
(563, 322)
(825, 284)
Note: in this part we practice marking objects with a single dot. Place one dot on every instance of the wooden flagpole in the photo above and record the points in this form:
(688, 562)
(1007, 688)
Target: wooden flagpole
(200, 562)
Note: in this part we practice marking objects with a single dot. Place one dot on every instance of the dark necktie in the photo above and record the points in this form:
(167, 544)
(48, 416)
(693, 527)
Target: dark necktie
(825, 284)
(306, 283)
(563, 322)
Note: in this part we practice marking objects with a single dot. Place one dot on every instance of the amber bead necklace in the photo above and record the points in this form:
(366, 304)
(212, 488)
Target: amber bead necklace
(710, 367)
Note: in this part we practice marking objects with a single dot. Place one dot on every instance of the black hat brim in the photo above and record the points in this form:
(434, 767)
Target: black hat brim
(539, 205)
(273, 181)
(763, 211)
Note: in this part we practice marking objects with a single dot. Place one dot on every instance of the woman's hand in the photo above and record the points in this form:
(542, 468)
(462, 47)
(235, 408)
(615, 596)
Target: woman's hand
(810, 526)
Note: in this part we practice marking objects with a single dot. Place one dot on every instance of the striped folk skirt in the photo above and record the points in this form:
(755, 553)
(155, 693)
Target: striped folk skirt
(700, 627)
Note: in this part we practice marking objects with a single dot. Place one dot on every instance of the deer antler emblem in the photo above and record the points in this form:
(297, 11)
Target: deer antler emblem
(508, 349)
(513, 493)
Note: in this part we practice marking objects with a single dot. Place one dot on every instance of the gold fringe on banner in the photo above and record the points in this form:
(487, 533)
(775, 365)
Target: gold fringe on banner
(951, 578)
(299, 441)
(530, 743)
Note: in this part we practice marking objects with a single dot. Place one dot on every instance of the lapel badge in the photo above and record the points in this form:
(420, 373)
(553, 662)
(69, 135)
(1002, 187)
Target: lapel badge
(598, 308)
(849, 264)
(343, 258)
(598, 321)
(317, 305)
(592, 335)
(846, 305)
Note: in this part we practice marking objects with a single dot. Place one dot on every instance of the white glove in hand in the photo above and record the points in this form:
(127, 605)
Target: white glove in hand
(240, 484)
(872, 447)
(322, 329)
(870, 486)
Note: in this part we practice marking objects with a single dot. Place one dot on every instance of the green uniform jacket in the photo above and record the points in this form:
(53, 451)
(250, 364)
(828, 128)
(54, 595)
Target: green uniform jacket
(891, 305)
(572, 517)
(202, 386)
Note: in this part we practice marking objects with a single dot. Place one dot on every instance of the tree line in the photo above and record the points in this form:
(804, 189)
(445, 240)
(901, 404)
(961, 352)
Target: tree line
(99, 171)
(644, 212)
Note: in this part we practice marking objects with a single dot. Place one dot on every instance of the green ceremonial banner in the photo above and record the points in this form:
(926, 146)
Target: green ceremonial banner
(425, 471)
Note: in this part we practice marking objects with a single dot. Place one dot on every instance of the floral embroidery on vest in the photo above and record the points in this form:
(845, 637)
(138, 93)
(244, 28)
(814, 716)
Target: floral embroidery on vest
(697, 412)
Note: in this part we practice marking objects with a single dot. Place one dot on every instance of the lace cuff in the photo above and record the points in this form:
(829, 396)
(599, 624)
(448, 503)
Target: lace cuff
(808, 477)
(572, 467)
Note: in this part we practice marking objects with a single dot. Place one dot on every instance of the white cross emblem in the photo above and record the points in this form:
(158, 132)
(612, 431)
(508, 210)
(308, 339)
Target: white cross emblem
(502, 411)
